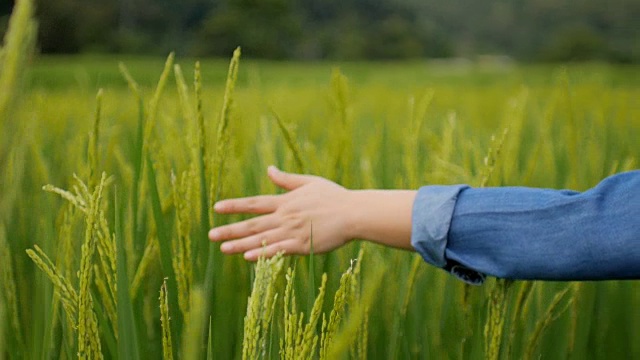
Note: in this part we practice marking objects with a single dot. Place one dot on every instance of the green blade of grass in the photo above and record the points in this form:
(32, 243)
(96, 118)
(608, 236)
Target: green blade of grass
(165, 249)
(312, 277)
(216, 183)
(127, 339)
(289, 137)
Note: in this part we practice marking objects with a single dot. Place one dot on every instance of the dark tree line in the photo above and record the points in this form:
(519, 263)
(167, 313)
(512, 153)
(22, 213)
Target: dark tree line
(529, 30)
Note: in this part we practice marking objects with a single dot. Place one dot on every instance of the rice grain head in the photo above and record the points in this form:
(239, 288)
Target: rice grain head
(167, 345)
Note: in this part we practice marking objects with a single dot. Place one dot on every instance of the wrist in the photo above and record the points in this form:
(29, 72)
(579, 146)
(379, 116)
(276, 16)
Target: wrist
(381, 216)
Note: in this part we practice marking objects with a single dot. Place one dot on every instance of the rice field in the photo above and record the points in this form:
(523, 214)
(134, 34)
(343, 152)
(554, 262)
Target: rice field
(111, 166)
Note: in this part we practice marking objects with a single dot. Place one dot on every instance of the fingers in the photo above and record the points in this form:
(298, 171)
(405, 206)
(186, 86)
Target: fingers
(289, 247)
(244, 228)
(286, 180)
(262, 204)
(256, 241)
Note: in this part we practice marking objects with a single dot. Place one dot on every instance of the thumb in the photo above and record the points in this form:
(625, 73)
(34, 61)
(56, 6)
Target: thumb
(287, 180)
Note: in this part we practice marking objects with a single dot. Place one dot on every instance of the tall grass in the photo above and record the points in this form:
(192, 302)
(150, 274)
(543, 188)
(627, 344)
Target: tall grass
(82, 262)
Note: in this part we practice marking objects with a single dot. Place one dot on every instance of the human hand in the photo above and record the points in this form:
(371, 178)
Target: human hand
(286, 220)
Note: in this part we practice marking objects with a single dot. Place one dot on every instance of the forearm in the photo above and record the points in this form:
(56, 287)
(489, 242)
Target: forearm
(382, 216)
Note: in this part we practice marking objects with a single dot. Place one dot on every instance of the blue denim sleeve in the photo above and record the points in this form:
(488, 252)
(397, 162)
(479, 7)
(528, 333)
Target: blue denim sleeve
(527, 233)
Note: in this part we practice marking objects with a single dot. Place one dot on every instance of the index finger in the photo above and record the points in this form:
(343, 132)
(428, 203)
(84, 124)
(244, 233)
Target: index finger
(261, 204)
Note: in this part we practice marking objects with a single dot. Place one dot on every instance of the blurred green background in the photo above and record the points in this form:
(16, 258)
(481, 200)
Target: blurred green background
(526, 30)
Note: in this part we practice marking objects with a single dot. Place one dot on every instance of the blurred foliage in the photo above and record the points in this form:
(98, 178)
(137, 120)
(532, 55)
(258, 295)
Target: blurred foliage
(529, 30)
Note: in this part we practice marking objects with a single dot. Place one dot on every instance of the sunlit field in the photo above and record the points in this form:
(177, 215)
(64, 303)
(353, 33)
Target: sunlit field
(110, 166)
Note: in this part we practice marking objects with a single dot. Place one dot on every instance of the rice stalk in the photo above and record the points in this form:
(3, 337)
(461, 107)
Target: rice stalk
(287, 340)
(358, 348)
(19, 43)
(399, 321)
(496, 315)
(524, 293)
(493, 155)
(290, 138)
(75, 199)
(183, 93)
(417, 113)
(266, 149)
(355, 329)
(222, 136)
(215, 189)
(3, 334)
(128, 336)
(94, 139)
(181, 243)
(343, 156)
(496, 307)
(337, 313)
(131, 82)
(106, 296)
(9, 288)
(260, 307)
(164, 242)
(203, 163)
(106, 246)
(571, 343)
(515, 119)
(89, 345)
(195, 325)
(149, 256)
(167, 344)
(61, 285)
(155, 100)
(552, 313)
(307, 349)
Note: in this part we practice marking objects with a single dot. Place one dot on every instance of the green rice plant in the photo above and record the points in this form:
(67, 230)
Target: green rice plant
(260, 308)
(145, 266)
(330, 328)
(343, 155)
(195, 325)
(9, 290)
(3, 332)
(353, 338)
(290, 138)
(164, 242)
(402, 313)
(218, 162)
(181, 242)
(128, 340)
(89, 345)
(167, 344)
(553, 312)
(298, 341)
(62, 286)
(19, 43)
(518, 313)
(417, 114)
(94, 140)
(203, 159)
(496, 316)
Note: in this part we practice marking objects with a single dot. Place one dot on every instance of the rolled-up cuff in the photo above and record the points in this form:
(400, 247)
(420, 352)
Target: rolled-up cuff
(431, 219)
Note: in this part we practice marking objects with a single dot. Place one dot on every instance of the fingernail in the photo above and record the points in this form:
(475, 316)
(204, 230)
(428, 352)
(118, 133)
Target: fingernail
(249, 255)
(225, 247)
(272, 168)
(218, 206)
(213, 234)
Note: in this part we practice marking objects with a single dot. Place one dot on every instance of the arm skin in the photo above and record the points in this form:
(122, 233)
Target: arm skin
(507, 232)
(337, 215)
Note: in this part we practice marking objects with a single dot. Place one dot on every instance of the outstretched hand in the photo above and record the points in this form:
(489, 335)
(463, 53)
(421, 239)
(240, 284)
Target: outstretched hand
(286, 220)
(336, 214)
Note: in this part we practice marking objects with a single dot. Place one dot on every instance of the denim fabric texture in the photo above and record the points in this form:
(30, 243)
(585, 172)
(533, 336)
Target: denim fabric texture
(529, 233)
